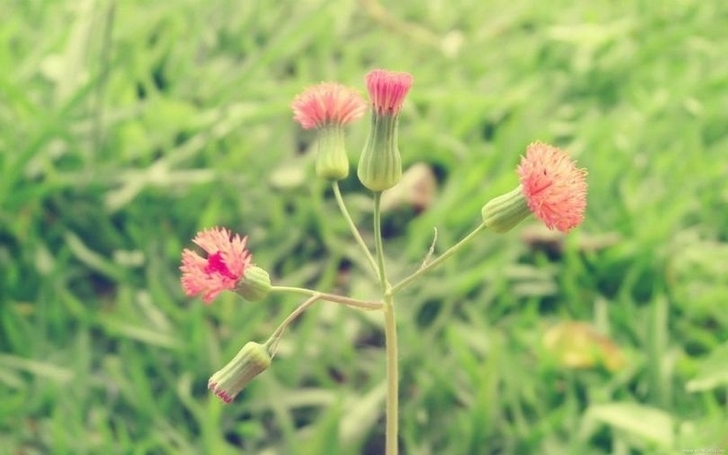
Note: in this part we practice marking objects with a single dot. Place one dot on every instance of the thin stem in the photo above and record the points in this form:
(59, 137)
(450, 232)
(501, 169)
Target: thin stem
(449, 252)
(392, 413)
(352, 227)
(378, 240)
(334, 298)
(272, 343)
(293, 290)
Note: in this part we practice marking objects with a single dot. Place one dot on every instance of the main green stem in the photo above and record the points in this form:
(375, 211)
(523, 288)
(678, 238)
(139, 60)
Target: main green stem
(390, 337)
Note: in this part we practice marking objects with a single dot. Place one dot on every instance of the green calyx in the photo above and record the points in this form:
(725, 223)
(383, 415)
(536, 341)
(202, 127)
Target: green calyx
(254, 285)
(504, 212)
(332, 162)
(249, 362)
(380, 164)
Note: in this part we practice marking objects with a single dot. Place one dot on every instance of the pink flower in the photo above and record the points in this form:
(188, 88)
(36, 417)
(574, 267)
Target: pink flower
(554, 187)
(387, 90)
(327, 103)
(226, 263)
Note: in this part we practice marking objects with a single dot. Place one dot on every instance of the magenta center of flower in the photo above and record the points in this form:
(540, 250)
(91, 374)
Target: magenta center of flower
(541, 185)
(215, 264)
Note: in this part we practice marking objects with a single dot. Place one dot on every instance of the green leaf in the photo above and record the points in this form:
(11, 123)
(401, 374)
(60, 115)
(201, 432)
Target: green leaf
(712, 372)
(647, 423)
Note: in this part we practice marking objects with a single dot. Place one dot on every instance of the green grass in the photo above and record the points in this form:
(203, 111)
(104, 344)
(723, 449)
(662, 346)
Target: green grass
(127, 126)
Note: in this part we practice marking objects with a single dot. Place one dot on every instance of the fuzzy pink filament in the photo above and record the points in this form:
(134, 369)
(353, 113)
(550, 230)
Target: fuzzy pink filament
(327, 103)
(387, 90)
(225, 264)
(553, 186)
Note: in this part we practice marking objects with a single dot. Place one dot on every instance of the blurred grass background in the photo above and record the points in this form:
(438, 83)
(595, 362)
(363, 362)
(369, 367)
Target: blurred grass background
(126, 126)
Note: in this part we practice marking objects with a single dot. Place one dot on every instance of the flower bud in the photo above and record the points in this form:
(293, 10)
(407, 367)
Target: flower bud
(327, 107)
(250, 361)
(255, 285)
(504, 212)
(380, 164)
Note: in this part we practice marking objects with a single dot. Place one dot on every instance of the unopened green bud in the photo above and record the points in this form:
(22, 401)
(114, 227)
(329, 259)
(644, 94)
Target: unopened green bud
(250, 361)
(504, 212)
(380, 164)
(254, 285)
(332, 162)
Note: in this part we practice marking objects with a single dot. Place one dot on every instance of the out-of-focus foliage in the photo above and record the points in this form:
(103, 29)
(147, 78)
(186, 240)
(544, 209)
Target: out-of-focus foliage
(126, 126)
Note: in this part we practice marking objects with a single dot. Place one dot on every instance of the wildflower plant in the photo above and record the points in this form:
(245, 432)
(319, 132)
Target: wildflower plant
(551, 187)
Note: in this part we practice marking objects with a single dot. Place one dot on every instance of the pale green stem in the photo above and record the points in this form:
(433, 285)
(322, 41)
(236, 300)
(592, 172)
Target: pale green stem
(392, 413)
(272, 343)
(378, 240)
(352, 227)
(425, 268)
(334, 298)
(390, 338)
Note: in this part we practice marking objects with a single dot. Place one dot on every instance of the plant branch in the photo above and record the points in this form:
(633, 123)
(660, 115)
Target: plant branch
(275, 338)
(449, 252)
(353, 228)
(334, 298)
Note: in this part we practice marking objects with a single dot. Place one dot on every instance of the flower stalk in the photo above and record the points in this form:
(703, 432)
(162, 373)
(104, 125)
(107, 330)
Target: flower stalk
(353, 228)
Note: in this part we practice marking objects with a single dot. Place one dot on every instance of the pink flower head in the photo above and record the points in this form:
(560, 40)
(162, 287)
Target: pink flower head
(387, 90)
(327, 103)
(226, 262)
(554, 187)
